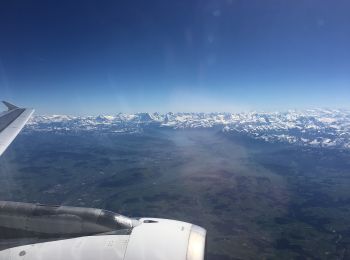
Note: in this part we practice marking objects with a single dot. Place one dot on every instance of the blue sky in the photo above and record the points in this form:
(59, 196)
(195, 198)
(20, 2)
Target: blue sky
(93, 57)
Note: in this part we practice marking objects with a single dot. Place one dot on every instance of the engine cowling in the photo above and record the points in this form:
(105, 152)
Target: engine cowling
(114, 236)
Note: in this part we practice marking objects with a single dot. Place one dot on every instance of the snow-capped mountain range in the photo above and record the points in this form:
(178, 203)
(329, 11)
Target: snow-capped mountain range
(318, 127)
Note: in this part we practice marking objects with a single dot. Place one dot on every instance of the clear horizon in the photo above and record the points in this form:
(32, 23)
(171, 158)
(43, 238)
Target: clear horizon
(305, 110)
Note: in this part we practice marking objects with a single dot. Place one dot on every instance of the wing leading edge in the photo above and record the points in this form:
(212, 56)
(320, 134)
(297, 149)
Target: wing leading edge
(11, 123)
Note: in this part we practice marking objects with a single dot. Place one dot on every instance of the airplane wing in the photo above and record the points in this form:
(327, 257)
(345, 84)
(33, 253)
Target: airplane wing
(11, 123)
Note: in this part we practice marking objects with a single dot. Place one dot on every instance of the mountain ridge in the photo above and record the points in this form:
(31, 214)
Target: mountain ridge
(313, 127)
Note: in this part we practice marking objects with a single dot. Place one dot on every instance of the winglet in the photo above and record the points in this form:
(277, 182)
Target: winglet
(9, 105)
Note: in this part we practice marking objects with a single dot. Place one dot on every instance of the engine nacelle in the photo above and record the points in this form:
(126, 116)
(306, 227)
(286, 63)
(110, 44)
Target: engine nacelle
(121, 238)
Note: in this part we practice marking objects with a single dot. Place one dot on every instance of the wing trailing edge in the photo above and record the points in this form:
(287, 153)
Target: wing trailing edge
(11, 123)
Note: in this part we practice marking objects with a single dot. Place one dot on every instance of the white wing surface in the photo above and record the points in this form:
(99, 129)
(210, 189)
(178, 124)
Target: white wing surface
(11, 123)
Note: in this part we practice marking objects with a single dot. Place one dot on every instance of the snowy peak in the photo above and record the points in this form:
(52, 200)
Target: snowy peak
(317, 127)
